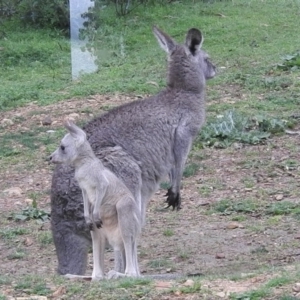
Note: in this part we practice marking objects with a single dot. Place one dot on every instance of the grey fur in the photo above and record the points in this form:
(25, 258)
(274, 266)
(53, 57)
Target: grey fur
(111, 211)
(154, 136)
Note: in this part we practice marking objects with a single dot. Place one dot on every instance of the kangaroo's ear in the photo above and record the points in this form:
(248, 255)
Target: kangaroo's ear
(77, 133)
(194, 40)
(165, 42)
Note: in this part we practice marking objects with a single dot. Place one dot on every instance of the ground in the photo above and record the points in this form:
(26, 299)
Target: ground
(238, 228)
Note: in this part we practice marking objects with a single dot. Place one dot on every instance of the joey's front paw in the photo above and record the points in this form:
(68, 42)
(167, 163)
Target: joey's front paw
(89, 224)
(98, 223)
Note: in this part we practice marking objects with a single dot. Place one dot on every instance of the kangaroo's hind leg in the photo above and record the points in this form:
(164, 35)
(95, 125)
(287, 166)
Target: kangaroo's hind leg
(181, 149)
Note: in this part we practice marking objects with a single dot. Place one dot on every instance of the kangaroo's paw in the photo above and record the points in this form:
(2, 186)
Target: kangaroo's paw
(173, 199)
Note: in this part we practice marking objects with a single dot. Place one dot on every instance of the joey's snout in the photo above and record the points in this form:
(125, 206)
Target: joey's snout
(52, 158)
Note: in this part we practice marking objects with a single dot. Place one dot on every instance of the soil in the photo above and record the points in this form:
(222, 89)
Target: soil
(247, 239)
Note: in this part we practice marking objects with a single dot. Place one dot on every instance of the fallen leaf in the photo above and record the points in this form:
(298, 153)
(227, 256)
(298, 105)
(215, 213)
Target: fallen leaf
(28, 242)
(234, 225)
(59, 292)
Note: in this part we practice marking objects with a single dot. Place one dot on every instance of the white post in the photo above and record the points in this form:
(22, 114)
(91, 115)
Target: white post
(83, 61)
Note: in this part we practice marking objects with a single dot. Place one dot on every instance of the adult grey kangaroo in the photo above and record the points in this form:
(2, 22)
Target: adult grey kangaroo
(153, 135)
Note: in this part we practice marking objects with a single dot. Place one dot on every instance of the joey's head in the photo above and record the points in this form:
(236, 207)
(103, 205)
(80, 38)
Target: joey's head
(189, 66)
(73, 147)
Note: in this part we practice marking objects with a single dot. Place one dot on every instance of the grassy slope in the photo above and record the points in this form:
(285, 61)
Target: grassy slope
(247, 38)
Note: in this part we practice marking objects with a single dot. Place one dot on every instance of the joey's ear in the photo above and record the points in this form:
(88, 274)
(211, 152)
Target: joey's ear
(165, 42)
(77, 133)
(194, 40)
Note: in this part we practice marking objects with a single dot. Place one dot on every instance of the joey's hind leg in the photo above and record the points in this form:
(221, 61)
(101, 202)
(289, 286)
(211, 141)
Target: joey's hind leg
(119, 256)
(99, 240)
(129, 222)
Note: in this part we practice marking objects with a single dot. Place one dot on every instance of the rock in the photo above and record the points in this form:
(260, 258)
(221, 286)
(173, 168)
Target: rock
(13, 191)
(221, 295)
(220, 256)
(279, 197)
(296, 287)
(7, 122)
(46, 121)
(189, 282)
(73, 116)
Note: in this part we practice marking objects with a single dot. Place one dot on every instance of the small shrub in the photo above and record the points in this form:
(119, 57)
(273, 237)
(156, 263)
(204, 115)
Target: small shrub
(32, 212)
(290, 62)
(235, 127)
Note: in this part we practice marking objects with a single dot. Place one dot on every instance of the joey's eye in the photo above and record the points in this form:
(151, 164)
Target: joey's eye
(62, 148)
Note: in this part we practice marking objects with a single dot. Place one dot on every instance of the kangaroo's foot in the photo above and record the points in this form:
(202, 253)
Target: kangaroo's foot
(173, 199)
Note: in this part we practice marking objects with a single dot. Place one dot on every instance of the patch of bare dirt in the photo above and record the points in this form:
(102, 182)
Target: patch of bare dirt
(198, 239)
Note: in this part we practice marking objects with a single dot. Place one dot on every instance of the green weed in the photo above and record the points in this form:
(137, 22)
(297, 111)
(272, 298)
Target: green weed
(278, 281)
(11, 233)
(233, 126)
(195, 288)
(282, 208)
(168, 232)
(5, 280)
(32, 212)
(159, 263)
(290, 62)
(33, 285)
(45, 238)
(190, 170)
(17, 254)
(252, 295)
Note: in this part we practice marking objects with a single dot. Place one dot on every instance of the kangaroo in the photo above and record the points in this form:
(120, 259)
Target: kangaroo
(154, 136)
(110, 210)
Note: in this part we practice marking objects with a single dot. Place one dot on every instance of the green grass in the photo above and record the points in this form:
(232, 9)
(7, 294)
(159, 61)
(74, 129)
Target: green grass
(11, 233)
(34, 285)
(168, 232)
(254, 45)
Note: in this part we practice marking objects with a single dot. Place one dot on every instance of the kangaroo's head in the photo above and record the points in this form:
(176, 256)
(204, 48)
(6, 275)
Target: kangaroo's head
(189, 66)
(73, 146)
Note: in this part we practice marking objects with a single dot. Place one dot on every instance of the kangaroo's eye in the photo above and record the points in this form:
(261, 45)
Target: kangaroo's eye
(62, 148)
